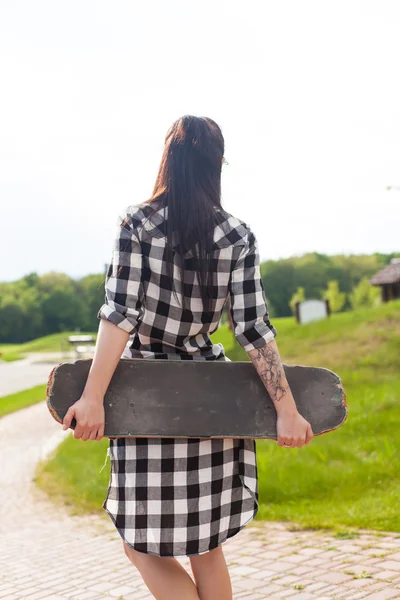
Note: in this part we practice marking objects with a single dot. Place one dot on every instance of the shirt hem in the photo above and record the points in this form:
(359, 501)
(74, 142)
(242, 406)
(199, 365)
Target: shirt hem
(211, 547)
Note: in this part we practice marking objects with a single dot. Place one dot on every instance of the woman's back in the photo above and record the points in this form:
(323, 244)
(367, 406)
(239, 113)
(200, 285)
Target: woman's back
(171, 322)
(177, 259)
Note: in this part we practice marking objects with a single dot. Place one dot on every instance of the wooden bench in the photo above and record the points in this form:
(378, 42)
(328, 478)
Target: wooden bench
(82, 344)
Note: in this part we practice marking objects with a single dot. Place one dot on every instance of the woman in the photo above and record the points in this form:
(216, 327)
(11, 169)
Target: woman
(177, 259)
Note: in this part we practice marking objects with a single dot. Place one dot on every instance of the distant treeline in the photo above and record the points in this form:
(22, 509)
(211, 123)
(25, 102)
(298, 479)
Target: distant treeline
(315, 274)
(34, 305)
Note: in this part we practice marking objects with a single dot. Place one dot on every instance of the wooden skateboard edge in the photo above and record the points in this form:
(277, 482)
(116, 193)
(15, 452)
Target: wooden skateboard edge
(49, 387)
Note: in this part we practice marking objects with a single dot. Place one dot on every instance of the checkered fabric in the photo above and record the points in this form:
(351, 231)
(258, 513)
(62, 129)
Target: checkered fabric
(139, 296)
(186, 496)
(181, 497)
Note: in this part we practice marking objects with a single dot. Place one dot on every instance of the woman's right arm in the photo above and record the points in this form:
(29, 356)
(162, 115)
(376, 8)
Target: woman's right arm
(88, 411)
(254, 331)
(118, 320)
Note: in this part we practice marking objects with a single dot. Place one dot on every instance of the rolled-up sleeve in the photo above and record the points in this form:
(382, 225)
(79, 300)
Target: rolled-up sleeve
(123, 287)
(248, 304)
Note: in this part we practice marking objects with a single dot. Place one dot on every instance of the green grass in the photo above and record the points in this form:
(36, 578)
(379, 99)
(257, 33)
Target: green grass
(345, 479)
(349, 477)
(72, 476)
(49, 343)
(13, 402)
(10, 352)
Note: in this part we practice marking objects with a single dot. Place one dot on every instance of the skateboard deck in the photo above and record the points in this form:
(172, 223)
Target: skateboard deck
(201, 399)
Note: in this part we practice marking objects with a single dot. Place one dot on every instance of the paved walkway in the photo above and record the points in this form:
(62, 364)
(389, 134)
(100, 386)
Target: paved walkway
(23, 374)
(52, 555)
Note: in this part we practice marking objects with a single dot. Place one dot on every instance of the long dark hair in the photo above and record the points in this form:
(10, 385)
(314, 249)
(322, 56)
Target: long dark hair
(189, 185)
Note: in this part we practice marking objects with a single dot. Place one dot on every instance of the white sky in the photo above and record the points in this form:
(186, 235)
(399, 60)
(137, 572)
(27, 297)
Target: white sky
(307, 95)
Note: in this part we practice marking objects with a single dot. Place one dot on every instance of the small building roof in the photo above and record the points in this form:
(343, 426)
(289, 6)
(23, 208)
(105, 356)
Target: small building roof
(387, 275)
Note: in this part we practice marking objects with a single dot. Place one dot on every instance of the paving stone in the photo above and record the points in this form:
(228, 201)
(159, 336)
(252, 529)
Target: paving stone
(356, 584)
(102, 586)
(9, 592)
(317, 585)
(249, 560)
(38, 595)
(309, 551)
(121, 591)
(286, 593)
(377, 586)
(316, 562)
(280, 566)
(371, 561)
(395, 556)
(296, 558)
(389, 565)
(288, 580)
(343, 547)
(302, 570)
(250, 584)
(270, 554)
(304, 596)
(386, 575)
(86, 596)
(243, 570)
(385, 594)
(263, 574)
(331, 590)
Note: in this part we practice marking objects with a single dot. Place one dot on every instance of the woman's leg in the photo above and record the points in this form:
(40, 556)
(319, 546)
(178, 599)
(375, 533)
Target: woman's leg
(211, 575)
(165, 577)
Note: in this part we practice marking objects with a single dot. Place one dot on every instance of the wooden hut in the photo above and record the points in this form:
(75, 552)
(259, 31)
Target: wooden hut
(388, 279)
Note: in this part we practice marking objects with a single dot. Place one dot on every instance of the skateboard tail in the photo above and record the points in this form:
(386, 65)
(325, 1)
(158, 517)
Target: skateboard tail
(336, 426)
(340, 399)
(342, 394)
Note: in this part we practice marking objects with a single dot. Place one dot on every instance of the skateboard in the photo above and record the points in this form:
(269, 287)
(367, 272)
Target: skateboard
(200, 399)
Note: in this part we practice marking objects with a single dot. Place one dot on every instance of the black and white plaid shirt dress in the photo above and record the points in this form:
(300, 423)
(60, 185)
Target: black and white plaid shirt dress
(167, 496)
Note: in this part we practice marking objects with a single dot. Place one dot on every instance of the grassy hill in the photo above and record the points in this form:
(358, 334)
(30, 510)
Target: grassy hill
(56, 342)
(349, 477)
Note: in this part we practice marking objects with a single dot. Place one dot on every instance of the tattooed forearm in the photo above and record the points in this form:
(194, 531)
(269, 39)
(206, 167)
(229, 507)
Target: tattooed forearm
(269, 366)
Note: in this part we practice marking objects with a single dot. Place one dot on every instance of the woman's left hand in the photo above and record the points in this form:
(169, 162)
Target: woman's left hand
(89, 416)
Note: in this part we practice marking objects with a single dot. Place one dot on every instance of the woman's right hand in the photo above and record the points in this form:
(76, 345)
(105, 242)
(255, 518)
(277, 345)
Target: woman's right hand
(89, 416)
(293, 430)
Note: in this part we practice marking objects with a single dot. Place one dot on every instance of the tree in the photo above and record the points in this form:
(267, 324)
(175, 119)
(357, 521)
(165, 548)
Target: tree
(298, 296)
(62, 304)
(13, 323)
(364, 294)
(336, 298)
(278, 277)
(93, 294)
